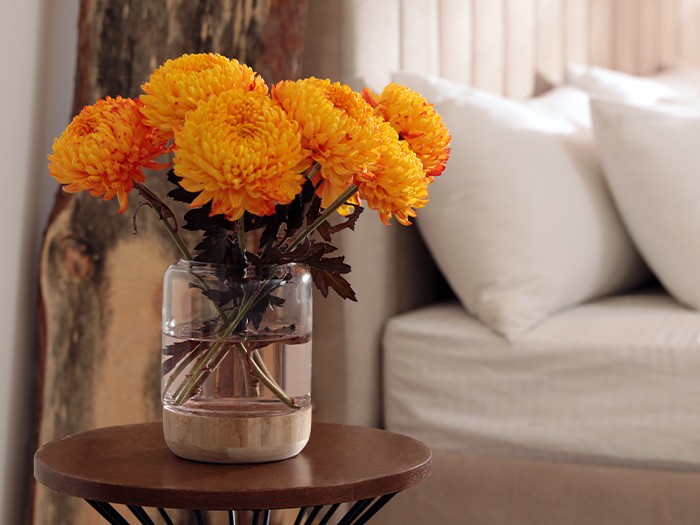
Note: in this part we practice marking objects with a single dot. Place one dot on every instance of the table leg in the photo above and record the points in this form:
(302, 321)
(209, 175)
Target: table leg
(355, 511)
(165, 516)
(373, 509)
(300, 516)
(312, 516)
(358, 514)
(108, 512)
(361, 512)
(329, 513)
(141, 515)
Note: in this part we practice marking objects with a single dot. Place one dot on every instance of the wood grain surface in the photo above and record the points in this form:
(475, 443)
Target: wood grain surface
(132, 465)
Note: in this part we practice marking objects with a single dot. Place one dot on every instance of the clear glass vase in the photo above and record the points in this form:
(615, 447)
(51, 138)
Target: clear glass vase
(236, 364)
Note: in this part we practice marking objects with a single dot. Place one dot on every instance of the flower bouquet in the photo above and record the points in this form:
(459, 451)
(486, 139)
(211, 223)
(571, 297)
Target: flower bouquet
(268, 175)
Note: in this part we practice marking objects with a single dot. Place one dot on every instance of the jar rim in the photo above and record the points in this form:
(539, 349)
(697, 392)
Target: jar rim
(189, 264)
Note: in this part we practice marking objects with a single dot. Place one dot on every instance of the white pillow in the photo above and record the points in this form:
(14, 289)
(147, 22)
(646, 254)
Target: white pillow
(651, 157)
(679, 83)
(521, 223)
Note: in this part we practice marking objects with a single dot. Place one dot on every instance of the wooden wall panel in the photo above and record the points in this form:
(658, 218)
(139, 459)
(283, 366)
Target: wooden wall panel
(500, 45)
(600, 50)
(371, 42)
(670, 27)
(456, 48)
(648, 37)
(420, 27)
(576, 18)
(625, 37)
(550, 39)
(520, 47)
(686, 41)
(488, 44)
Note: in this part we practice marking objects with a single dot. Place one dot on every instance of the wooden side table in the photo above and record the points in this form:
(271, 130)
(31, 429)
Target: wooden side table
(132, 465)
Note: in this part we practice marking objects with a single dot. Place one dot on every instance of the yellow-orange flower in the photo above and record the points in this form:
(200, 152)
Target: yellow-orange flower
(181, 84)
(104, 149)
(417, 122)
(397, 185)
(338, 130)
(241, 152)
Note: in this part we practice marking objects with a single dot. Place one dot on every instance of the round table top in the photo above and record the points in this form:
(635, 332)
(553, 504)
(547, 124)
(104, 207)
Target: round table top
(131, 464)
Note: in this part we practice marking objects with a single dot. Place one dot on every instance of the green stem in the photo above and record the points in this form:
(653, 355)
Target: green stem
(164, 213)
(175, 237)
(240, 235)
(218, 351)
(272, 385)
(200, 371)
(315, 167)
(337, 203)
(261, 372)
(203, 368)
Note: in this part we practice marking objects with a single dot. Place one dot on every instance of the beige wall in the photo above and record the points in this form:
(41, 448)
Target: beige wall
(37, 53)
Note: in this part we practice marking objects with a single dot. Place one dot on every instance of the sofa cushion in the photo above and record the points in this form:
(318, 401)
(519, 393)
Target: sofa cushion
(521, 223)
(679, 83)
(651, 157)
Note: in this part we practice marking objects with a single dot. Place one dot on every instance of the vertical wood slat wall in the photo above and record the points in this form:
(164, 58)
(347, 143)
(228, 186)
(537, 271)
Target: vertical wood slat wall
(499, 45)
(496, 45)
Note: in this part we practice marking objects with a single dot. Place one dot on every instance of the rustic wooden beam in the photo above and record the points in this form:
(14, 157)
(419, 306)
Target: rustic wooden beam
(100, 285)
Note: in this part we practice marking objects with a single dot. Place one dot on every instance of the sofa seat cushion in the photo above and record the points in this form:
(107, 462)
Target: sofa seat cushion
(611, 381)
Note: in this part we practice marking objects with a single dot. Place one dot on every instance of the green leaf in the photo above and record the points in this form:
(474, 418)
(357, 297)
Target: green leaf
(301, 207)
(200, 219)
(214, 247)
(326, 271)
(349, 222)
(179, 193)
(325, 279)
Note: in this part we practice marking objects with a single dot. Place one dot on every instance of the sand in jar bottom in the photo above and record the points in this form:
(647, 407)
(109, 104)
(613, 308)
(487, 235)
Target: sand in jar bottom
(222, 439)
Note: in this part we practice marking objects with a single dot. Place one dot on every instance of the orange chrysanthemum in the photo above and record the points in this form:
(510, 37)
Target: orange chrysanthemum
(338, 130)
(417, 122)
(397, 185)
(181, 84)
(104, 149)
(241, 152)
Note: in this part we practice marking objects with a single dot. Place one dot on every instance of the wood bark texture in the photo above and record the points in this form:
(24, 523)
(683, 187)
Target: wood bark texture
(101, 284)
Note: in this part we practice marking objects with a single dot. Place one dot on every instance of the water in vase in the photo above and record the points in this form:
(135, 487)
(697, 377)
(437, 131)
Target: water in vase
(217, 378)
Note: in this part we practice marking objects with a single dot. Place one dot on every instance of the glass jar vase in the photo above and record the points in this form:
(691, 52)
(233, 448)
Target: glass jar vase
(236, 363)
